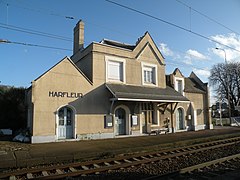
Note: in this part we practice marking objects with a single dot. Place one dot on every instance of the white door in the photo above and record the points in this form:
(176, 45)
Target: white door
(65, 123)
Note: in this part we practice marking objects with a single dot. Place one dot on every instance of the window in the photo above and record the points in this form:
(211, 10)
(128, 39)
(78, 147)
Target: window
(149, 74)
(65, 116)
(179, 86)
(115, 69)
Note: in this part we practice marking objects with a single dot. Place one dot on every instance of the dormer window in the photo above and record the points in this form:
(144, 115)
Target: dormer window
(179, 85)
(115, 69)
(149, 74)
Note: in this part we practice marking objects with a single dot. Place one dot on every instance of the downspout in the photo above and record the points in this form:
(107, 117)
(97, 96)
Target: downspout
(172, 118)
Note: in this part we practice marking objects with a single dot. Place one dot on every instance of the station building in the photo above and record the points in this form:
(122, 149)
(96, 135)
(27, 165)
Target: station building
(111, 89)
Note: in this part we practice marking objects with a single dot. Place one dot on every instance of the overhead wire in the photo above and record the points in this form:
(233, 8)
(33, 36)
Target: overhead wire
(39, 11)
(33, 45)
(31, 31)
(171, 24)
(207, 17)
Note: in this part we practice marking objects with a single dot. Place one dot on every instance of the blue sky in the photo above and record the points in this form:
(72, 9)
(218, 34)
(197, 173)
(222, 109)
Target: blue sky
(20, 64)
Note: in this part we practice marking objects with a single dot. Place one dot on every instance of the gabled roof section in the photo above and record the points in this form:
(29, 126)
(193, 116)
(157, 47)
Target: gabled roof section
(145, 41)
(177, 71)
(192, 86)
(65, 58)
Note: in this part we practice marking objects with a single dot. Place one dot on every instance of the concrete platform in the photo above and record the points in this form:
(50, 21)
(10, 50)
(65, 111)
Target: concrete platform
(14, 154)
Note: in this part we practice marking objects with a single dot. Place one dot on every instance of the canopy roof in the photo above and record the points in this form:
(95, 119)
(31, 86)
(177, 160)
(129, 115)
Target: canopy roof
(143, 93)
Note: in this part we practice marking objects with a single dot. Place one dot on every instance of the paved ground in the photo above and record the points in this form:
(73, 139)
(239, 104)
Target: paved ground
(13, 154)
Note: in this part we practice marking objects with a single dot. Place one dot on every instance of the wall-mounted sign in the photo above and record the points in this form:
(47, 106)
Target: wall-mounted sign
(134, 120)
(108, 121)
(65, 94)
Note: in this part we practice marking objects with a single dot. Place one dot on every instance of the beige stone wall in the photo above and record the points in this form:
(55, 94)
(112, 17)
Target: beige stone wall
(63, 77)
(86, 66)
(199, 105)
(133, 71)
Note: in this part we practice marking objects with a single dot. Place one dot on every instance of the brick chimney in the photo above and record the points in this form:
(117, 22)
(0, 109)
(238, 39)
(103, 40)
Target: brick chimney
(78, 37)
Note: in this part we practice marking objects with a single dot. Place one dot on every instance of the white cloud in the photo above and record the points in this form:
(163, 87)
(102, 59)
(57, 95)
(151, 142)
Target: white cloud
(202, 72)
(165, 50)
(187, 60)
(195, 55)
(182, 57)
(231, 40)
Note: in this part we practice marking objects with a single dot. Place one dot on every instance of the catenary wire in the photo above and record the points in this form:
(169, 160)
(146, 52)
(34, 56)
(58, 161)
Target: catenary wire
(52, 37)
(34, 32)
(171, 24)
(207, 17)
(39, 11)
(34, 45)
(151, 16)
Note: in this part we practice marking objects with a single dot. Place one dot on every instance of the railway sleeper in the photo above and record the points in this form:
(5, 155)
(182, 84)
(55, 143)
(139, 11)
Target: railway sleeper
(59, 171)
(96, 166)
(135, 159)
(12, 178)
(30, 176)
(72, 169)
(85, 167)
(127, 161)
(107, 164)
(45, 173)
(116, 162)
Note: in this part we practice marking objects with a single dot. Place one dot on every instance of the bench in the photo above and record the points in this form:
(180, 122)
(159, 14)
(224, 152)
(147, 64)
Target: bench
(159, 131)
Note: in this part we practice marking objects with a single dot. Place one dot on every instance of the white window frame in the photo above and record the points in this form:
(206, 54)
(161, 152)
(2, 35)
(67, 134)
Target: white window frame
(176, 79)
(119, 60)
(155, 77)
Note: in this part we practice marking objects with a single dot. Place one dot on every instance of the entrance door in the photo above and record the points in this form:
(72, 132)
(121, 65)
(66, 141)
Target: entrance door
(180, 119)
(65, 123)
(120, 115)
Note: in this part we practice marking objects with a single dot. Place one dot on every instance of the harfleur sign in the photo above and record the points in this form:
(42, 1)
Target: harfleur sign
(65, 94)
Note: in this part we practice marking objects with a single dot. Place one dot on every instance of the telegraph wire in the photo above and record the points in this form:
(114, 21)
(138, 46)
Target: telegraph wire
(49, 47)
(40, 11)
(132, 9)
(61, 37)
(207, 17)
(34, 32)
(33, 45)
(171, 24)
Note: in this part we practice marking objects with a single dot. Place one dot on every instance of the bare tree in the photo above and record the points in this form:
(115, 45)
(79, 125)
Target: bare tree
(225, 79)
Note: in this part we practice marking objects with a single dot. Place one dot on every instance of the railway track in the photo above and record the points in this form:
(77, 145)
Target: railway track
(111, 164)
(222, 167)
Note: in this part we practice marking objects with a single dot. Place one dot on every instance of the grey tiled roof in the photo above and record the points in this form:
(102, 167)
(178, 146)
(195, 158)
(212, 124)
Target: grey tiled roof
(192, 86)
(118, 44)
(142, 93)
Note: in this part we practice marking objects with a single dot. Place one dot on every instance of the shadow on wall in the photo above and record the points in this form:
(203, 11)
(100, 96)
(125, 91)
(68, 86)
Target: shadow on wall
(96, 101)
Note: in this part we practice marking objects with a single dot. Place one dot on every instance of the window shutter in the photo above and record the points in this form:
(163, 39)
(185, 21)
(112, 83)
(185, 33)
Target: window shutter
(115, 70)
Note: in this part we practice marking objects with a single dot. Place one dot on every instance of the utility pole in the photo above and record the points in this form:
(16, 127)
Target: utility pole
(227, 83)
